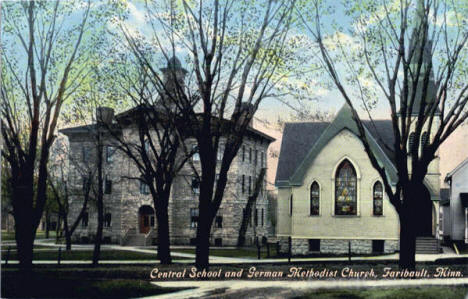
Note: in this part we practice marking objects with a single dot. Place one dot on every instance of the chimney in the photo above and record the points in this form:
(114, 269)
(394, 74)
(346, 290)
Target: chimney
(104, 115)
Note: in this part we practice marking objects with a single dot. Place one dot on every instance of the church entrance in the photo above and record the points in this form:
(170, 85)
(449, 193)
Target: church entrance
(145, 218)
(425, 221)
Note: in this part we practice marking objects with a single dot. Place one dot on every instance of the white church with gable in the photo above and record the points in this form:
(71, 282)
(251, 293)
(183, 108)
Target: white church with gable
(330, 196)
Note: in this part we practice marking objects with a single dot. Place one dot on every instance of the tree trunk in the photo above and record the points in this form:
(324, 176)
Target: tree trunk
(67, 232)
(203, 239)
(98, 239)
(407, 242)
(57, 229)
(47, 226)
(164, 251)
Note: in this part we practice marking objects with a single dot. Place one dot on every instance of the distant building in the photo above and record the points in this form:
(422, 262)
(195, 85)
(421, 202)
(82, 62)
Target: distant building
(454, 210)
(129, 212)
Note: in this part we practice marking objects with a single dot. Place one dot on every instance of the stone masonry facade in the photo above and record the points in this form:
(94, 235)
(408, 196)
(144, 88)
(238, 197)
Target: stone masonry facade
(125, 197)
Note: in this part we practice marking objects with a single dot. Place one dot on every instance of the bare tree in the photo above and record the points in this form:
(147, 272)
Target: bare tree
(414, 52)
(33, 90)
(235, 53)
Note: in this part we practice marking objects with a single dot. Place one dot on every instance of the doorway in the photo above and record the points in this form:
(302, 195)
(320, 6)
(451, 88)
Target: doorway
(145, 218)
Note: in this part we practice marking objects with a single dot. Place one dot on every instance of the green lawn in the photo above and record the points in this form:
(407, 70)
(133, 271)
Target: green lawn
(47, 287)
(52, 254)
(391, 293)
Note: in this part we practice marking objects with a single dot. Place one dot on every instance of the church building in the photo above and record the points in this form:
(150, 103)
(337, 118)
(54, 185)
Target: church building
(330, 197)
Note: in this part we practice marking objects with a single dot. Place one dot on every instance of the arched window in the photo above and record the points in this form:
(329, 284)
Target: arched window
(290, 205)
(424, 140)
(411, 144)
(378, 199)
(314, 199)
(345, 189)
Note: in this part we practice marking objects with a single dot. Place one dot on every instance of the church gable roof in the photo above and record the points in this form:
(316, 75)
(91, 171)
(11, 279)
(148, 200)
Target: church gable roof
(302, 142)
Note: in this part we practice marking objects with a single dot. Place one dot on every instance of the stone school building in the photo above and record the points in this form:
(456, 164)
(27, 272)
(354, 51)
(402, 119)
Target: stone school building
(329, 195)
(128, 206)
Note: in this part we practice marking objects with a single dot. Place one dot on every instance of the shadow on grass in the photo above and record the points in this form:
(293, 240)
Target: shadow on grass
(69, 287)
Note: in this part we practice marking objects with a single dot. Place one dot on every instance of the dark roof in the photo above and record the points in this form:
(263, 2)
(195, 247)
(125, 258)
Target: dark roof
(444, 196)
(300, 137)
(85, 129)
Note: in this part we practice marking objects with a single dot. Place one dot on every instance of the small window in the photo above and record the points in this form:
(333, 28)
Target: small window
(195, 185)
(314, 199)
(378, 199)
(110, 151)
(250, 155)
(424, 140)
(256, 217)
(219, 221)
(243, 153)
(218, 242)
(144, 188)
(250, 185)
(378, 246)
(256, 157)
(262, 159)
(196, 154)
(85, 153)
(411, 144)
(243, 184)
(147, 146)
(194, 217)
(220, 152)
(84, 219)
(107, 186)
(314, 245)
(107, 218)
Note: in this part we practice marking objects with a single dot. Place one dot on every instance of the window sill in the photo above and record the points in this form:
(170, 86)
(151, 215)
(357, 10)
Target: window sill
(346, 216)
(315, 215)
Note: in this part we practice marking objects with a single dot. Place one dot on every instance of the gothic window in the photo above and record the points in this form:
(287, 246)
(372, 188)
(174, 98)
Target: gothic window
(84, 219)
(345, 189)
(411, 144)
(378, 199)
(243, 184)
(243, 153)
(107, 186)
(220, 152)
(424, 139)
(250, 185)
(314, 198)
(144, 188)
(219, 221)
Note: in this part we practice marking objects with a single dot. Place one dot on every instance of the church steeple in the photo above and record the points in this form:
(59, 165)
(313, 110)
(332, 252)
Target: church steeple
(173, 74)
(419, 39)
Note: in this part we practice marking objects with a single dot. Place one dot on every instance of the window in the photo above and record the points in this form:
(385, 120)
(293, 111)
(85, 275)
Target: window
(262, 159)
(263, 217)
(411, 144)
(424, 140)
(250, 155)
(196, 155)
(243, 153)
(378, 199)
(219, 221)
(314, 244)
(110, 150)
(220, 152)
(218, 242)
(290, 205)
(195, 185)
(84, 219)
(256, 217)
(152, 221)
(250, 185)
(314, 199)
(107, 218)
(144, 188)
(255, 157)
(193, 218)
(243, 184)
(85, 153)
(345, 189)
(107, 186)
(147, 146)
(378, 246)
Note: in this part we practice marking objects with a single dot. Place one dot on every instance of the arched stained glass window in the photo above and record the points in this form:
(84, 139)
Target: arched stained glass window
(345, 189)
(314, 198)
(378, 199)
(411, 144)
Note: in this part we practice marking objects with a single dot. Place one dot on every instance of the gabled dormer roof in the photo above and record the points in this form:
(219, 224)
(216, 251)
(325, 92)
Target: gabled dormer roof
(311, 138)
